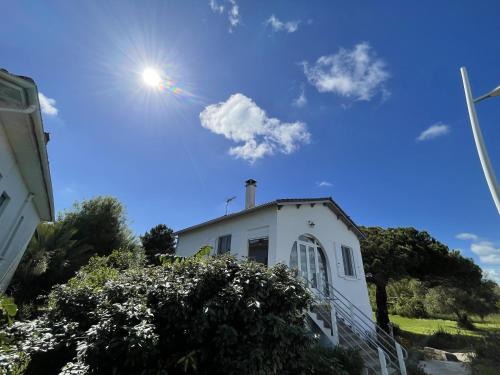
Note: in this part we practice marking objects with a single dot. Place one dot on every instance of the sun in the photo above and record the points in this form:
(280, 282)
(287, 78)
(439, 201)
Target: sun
(151, 77)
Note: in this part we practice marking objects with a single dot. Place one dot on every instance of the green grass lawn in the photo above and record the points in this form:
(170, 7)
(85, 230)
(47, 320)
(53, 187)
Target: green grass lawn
(429, 326)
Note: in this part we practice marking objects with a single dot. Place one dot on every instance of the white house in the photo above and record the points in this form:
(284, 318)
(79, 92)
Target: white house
(316, 237)
(25, 184)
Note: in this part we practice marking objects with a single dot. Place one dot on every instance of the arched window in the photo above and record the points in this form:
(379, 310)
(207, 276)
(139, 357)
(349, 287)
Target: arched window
(308, 258)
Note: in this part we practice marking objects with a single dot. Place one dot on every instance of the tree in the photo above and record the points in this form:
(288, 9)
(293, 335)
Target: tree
(395, 253)
(159, 240)
(49, 257)
(101, 223)
(58, 250)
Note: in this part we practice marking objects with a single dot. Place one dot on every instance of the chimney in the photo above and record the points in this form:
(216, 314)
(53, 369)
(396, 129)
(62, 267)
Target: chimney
(250, 193)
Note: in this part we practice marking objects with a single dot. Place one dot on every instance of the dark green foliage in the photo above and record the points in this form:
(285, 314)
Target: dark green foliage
(58, 250)
(487, 356)
(328, 361)
(8, 310)
(395, 253)
(100, 223)
(406, 298)
(462, 302)
(207, 316)
(158, 241)
(51, 256)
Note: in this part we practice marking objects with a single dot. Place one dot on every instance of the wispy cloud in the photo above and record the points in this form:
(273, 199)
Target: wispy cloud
(240, 120)
(433, 131)
(278, 25)
(47, 105)
(467, 236)
(216, 7)
(301, 100)
(324, 184)
(487, 252)
(232, 9)
(358, 73)
(492, 274)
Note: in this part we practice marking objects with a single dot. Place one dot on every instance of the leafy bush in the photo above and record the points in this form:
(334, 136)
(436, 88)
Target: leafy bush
(486, 360)
(441, 339)
(194, 316)
(326, 361)
(8, 310)
(407, 296)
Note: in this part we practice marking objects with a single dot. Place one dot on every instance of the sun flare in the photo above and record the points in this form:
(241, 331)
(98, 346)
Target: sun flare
(151, 77)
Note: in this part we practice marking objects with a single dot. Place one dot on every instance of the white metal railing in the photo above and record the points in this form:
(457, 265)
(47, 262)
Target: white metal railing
(348, 321)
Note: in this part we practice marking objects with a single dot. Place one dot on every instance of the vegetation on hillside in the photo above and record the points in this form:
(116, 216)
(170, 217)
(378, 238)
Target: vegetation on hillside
(455, 283)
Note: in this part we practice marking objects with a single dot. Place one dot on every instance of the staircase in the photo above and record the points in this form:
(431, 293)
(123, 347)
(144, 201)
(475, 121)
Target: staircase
(344, 324)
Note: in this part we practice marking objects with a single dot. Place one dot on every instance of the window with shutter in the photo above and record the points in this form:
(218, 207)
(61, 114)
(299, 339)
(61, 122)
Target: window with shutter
(348, 260)
(224, 244)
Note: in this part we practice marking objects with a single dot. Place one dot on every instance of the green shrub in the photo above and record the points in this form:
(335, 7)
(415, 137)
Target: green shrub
(486, 360)
(407, 297)
(326, 361)
(208, 316)
(441, 339)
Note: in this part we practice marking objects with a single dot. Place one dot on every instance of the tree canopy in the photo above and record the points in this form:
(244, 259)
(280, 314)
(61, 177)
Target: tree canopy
(158, 240)
(394, 253)
(58, 250)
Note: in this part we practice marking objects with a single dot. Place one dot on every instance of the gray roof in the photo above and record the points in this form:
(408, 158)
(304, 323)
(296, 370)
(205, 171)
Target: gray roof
(327, 201)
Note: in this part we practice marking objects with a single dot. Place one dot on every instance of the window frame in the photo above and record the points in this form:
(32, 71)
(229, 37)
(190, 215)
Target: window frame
(4, 201)
(258, 239)
(219, 243)
(349, 260)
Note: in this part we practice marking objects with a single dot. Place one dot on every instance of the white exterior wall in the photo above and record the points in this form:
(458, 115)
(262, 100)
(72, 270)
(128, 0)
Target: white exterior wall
(283, 227)
(261, 223)
(330, 232)
(19, 218)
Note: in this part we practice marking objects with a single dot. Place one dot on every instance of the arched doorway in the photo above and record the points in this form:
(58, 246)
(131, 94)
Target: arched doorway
(308, 258)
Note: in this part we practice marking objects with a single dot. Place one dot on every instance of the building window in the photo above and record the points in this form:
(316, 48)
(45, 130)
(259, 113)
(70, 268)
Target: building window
(4, 199)
(224, 244)
(258, 250)
(348, 259)
(308, 258)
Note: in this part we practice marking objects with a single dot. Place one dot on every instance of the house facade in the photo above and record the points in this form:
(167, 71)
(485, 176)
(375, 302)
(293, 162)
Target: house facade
(313, 235)
(318, 239)
(25, 183)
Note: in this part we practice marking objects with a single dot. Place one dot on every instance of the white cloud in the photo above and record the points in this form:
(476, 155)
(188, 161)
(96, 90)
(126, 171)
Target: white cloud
(233, 14)
(216, 7)
(240, 120)
(301, 100)
(467, 236)
(48, 105)
(324, 184)
(492, 274)
(233, 11)
(356, 73)
(277, 25)
(487, 252)
(434, 131)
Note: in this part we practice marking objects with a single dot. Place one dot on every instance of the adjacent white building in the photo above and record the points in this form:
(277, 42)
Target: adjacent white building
(318, 239)
(25, 183)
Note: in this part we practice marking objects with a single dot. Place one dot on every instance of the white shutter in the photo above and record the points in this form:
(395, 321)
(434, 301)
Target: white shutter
(339, 259)
(358, 263)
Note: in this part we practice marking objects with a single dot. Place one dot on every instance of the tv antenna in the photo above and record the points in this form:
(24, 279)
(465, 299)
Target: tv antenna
(229, 200)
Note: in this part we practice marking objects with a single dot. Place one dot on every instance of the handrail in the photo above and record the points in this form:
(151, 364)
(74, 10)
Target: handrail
(356, 345)
(371, 334)
(366, 339)
(379, 332)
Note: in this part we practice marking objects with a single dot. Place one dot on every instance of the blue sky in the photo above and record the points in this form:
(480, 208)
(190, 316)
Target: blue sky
(311, 99)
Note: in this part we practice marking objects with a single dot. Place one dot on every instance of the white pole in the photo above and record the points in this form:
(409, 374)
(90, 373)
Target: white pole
(478, 138)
